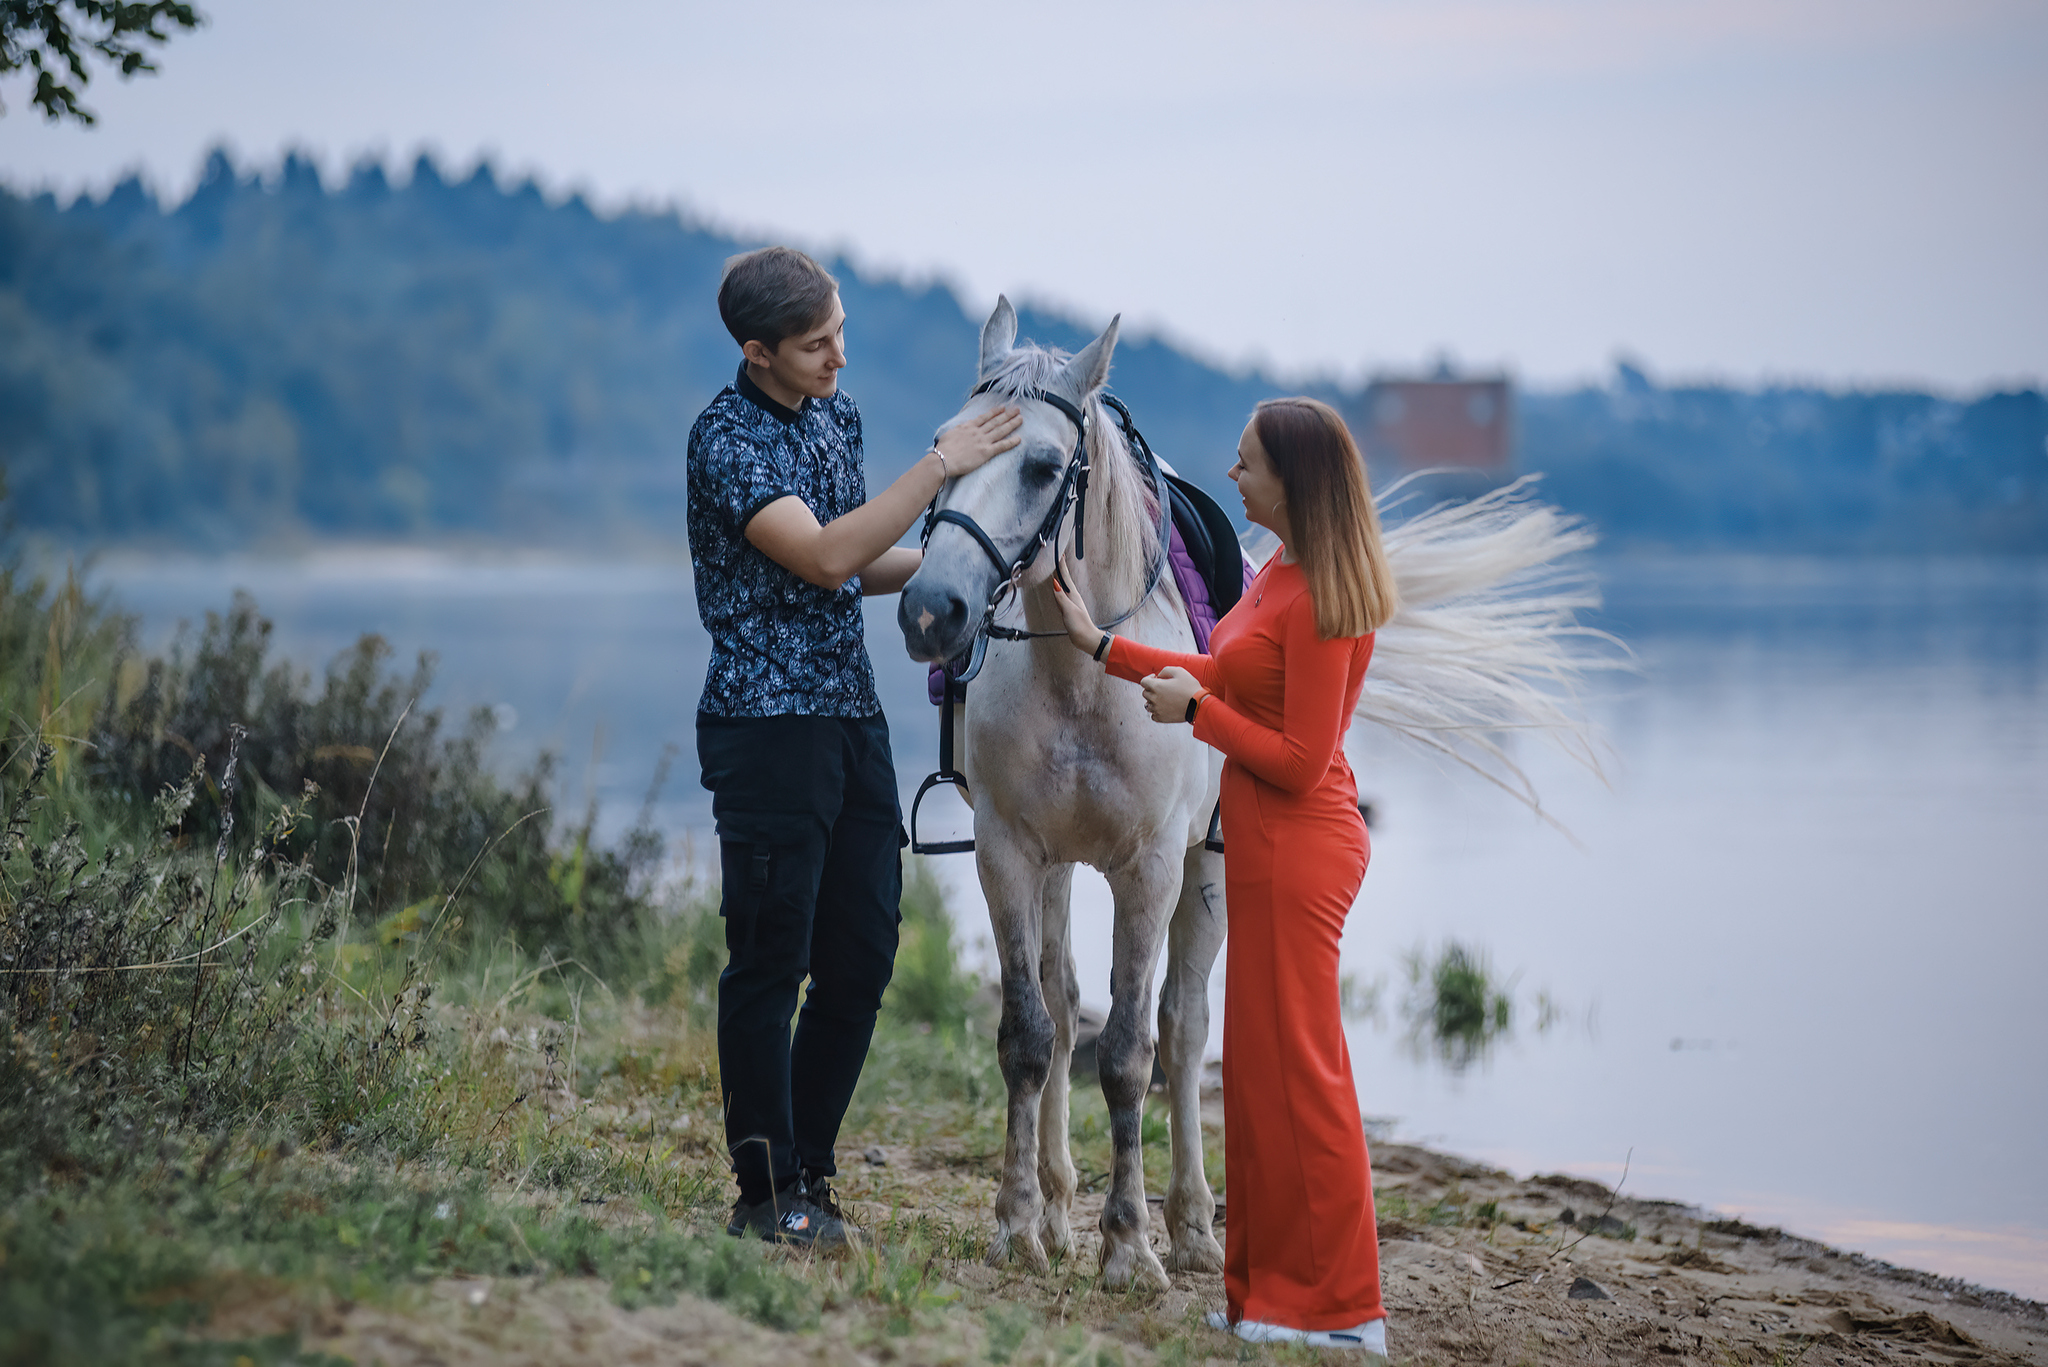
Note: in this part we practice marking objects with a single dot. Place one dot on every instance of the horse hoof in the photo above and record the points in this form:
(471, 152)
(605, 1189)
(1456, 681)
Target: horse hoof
(1195, 1252)
(1133, 1267)
(1054, 1234)
(1021, 1246)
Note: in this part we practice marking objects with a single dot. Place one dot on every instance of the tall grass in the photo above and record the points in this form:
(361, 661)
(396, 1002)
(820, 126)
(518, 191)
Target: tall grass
(289, 981)
(194, 877)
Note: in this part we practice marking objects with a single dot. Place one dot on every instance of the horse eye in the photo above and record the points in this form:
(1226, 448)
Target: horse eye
(1039, 472)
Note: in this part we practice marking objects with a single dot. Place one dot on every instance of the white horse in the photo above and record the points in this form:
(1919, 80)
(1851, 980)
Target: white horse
(1065, 767)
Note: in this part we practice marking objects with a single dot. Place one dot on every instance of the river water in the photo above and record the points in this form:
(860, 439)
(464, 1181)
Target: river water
(1790, 956)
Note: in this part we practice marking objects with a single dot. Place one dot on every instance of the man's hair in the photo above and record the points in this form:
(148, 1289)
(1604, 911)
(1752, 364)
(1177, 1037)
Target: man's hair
(774, 293)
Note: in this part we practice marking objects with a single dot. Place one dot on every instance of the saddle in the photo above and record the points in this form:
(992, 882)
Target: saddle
(1209, 566)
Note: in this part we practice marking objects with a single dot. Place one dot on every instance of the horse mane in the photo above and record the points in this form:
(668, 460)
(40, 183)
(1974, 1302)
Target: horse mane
(1123, 508)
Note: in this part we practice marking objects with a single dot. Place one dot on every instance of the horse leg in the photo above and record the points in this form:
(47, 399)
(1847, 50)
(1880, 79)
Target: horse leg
(1062, 991)
(1013, 884)
(1144, 890)
(1192, 941)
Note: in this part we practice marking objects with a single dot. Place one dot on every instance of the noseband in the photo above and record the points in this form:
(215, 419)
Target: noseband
(1072, 494)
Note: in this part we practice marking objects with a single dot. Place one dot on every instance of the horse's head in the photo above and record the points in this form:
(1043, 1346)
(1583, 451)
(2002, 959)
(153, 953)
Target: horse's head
(1010, 498)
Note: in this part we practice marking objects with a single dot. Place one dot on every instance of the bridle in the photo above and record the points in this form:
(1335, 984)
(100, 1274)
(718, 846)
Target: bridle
(1072, 495)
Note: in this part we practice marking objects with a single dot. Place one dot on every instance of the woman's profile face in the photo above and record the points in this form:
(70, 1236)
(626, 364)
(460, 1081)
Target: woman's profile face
(1258, 484)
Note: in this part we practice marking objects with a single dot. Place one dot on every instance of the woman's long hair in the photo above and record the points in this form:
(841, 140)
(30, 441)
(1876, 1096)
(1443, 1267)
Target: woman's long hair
(1336, 529)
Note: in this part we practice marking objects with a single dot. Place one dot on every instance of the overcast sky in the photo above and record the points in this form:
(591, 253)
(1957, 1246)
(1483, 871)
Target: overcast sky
(1851, 191)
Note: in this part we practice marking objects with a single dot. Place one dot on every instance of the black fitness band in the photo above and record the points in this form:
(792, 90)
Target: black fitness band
(1102, 646)
(1191, 706)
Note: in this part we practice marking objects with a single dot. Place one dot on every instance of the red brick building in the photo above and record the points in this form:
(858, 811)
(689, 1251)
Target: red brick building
(1438, 423)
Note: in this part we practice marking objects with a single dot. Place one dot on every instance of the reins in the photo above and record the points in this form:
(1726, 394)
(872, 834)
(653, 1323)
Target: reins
(1073, 494)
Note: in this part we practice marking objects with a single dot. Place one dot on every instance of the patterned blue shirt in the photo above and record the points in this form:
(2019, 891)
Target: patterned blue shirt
(780, 646)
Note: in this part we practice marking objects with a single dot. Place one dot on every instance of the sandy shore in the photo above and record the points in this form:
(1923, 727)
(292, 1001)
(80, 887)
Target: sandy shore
(1479, 1267)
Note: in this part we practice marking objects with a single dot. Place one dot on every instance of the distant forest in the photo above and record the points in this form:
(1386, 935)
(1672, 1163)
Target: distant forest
(275, 360)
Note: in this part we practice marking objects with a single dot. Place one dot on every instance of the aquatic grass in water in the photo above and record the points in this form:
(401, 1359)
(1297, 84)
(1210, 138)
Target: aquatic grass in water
(1455, 1008)
(1466, 1002)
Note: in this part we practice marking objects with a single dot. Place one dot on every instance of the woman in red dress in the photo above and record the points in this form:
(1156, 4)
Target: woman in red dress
(1275, 695)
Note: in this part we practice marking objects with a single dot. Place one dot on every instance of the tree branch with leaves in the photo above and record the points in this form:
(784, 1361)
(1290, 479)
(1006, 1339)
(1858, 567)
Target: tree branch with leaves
(54, 38)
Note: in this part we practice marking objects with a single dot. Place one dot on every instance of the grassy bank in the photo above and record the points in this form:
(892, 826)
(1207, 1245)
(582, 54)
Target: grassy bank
(302, 1008)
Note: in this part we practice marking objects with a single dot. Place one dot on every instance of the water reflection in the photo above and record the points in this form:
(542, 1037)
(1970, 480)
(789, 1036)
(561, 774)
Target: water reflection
(1455, 1008)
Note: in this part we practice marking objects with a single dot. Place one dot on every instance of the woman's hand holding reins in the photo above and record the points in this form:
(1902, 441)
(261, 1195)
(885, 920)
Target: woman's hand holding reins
(1168, 693)
(973, 443)
(1081, 628)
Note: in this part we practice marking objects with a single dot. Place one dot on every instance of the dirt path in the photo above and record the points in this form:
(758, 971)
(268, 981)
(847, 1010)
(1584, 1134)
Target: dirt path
(1480, 1267)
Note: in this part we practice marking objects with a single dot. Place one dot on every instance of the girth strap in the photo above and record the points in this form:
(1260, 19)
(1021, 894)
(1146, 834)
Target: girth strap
(946, 700)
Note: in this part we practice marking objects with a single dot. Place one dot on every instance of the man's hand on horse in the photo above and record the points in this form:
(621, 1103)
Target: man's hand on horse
(967, 446)
(1167, 693)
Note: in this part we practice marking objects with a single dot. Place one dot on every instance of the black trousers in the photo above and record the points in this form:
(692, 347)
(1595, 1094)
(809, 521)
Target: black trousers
(810, 848)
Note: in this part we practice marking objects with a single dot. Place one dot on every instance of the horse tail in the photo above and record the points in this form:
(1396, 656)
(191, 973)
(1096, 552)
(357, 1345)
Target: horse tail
(1488, 642)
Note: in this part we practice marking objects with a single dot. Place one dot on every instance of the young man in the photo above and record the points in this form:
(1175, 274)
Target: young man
(790, 733)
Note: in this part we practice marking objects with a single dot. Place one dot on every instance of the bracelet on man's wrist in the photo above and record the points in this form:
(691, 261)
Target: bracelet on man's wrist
(1102, 646)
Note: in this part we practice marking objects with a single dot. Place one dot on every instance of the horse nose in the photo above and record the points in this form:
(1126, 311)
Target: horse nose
(934, 623)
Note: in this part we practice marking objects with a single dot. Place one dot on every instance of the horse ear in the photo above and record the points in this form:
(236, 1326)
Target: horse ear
(1089, 371)
(998, 335)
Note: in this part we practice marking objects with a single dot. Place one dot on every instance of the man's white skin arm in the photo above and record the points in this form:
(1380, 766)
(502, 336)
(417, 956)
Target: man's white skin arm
(861, 542)
(891, 570)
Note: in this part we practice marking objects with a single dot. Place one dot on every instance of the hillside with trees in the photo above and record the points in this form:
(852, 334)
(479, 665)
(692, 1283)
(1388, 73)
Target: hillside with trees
(276, 360)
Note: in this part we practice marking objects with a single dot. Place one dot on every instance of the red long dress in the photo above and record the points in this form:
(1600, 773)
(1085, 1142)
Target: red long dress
(1300, 1245)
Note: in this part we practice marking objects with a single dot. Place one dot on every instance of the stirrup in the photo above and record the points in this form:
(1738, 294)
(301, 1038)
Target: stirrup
(951, 687)
(938, 846)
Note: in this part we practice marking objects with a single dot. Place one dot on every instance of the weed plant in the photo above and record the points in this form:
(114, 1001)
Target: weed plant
(402, 806)
(161, 988)
(295, 996)
(928, 988)
(99, 1272)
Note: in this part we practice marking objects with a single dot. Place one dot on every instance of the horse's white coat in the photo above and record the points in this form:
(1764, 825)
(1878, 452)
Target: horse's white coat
(1066, 767)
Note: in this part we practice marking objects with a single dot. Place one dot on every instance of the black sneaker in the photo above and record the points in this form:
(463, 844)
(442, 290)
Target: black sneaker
(819, 1192)
(792, 1216)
